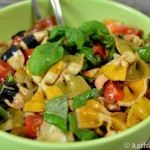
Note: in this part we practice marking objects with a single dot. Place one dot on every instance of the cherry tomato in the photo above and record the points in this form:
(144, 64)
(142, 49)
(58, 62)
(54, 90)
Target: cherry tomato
(98, 50)
(32, 124)
(116, 27)
(113, 91)
(5, 68)
(44, 23)
(28, 53)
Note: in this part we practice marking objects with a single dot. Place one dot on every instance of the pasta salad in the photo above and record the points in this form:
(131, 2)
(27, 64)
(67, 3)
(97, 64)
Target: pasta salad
(68, 84)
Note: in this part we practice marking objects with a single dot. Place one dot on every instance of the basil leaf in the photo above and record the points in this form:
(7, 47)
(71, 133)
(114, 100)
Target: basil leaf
(91, 27)
(74, 37)
(88, 53)
(81, 99)
(56, 112)
(45, 56)
(56, 120)
(107, 40)
(111, 53)
(82, 134)
(10, 78)
(57, 33)
(3, 113)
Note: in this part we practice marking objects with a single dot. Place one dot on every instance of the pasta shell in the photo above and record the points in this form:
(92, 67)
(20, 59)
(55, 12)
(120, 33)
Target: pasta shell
(72, 85)
(94, 114)
(133, 91)
(36, 103)
(139, 112)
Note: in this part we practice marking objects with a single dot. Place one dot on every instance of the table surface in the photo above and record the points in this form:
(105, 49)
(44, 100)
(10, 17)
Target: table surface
(141, 5)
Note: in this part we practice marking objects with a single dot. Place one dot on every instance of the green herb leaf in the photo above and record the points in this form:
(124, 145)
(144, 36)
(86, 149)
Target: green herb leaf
(81, 99)
(89, 54)
(57, 33)
(3, 113)
(107, 40)
(56, 120)
(111, 53)
(91, 27)
(44, 56)
(56, 112)
(10, 78)
(74, 37)
(82, 134)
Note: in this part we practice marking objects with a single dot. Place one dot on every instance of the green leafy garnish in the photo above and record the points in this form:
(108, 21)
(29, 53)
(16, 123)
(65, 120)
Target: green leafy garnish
(57, 33)
(82, 134)
(3, 113)
(45, 56)
(88, 53)
(74, 37)
(10, 78)
(92, 27)
(56, 112)
(81, 99)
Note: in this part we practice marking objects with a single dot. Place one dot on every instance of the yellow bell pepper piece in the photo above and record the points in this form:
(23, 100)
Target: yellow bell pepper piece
(36, 103)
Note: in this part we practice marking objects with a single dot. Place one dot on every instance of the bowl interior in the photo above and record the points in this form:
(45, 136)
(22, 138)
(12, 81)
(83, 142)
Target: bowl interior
(20, 16)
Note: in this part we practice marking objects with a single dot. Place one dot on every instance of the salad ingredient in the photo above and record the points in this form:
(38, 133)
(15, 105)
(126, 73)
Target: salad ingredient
(56, 112)
(3, 113)
(82, 99)
(117, 27)
(113, 91)
(32, 124)
(144, 53)
(28, 53)
(82, 134)
(5, 68)
(140, 111)
(49, 54)
(98, 50)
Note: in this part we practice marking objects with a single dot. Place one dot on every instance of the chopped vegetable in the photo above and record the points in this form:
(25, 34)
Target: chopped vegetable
(48, 54)
(81, 99)
(144, 53)
(32, 124)
(56, 112)
(113, 91)
(5, 68)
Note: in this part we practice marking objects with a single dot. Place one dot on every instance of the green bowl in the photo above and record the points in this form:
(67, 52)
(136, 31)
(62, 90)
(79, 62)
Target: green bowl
(20, 16)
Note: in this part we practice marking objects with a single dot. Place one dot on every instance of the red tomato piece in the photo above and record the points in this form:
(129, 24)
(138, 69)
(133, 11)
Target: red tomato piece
(113, 91)
(98, 50)
(28, 53)
(32, 124)
(116, 27)
(43, 23)
(5, 68)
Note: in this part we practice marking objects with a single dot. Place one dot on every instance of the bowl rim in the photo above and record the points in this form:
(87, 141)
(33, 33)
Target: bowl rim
(82, 144)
